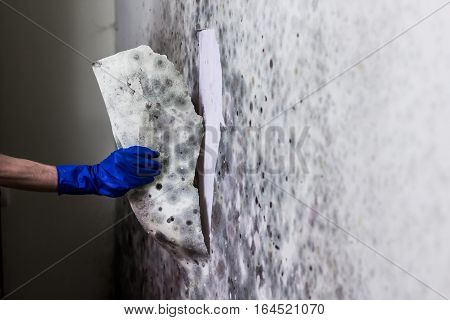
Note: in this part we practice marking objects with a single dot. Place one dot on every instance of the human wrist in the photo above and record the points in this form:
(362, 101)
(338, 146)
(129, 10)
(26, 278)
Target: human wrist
(75, 179)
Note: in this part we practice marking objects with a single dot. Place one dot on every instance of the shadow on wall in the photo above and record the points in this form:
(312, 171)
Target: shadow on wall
(52, 111)
(2, 288)
(141, 260)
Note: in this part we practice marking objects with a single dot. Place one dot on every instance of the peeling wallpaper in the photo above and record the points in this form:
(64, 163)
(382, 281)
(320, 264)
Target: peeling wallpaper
(360, 166)
(149, 105)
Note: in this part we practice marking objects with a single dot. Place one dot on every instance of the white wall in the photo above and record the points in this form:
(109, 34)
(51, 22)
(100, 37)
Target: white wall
(377, 155)
(51, 111)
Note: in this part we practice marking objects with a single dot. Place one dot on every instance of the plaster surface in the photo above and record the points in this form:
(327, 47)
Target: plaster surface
(368, 151)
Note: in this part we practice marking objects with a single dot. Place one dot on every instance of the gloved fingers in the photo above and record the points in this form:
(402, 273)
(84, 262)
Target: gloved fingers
(119, 183)
(123, 170)
(140, 151)
(136, 168)
(142, 159)
(147, 167)
(126, 172)
(150, 164)
(135, 157)
(149, 152)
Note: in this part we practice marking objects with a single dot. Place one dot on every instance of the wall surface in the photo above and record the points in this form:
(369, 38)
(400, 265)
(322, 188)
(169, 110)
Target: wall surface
(368, 152)
(52, 111)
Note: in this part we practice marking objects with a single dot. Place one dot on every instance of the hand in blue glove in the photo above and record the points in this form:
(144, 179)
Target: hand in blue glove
(122, 170)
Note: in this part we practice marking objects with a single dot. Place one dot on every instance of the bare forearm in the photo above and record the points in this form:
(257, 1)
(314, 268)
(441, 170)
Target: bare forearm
(26, 174)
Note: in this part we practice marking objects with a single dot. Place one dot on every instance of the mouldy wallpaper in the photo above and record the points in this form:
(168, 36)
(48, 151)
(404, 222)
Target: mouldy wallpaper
(362, 158)
(148, 105)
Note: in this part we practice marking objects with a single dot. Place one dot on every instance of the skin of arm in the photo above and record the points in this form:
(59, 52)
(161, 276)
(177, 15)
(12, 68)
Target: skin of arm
(27, 175)
(122, 170)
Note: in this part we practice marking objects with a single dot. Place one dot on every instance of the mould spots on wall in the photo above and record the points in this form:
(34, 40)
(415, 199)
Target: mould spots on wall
(258, 231)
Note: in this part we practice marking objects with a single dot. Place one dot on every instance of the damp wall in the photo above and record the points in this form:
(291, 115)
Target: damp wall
(342, 196)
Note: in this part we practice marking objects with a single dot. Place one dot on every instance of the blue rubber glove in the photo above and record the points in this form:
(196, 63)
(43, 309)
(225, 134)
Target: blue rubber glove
(122, 170)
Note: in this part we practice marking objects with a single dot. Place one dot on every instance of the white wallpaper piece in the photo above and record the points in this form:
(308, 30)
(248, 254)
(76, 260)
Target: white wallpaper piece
(210, 99)
(149, 105)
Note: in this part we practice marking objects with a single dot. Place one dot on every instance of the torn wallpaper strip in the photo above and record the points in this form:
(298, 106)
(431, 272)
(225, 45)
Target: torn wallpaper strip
(148, 104)
(210, 94)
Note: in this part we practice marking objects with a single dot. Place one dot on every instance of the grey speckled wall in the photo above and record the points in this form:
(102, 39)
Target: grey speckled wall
(375, 159)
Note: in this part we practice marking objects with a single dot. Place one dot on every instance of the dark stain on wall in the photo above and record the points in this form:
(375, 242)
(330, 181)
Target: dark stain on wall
(262, 240)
